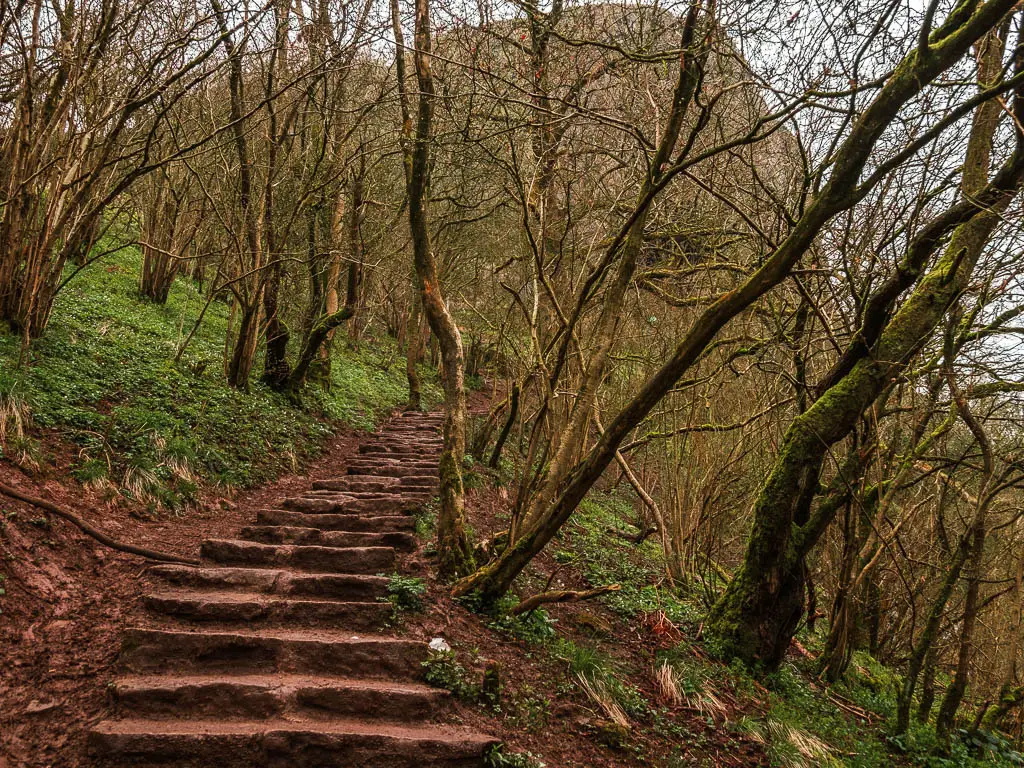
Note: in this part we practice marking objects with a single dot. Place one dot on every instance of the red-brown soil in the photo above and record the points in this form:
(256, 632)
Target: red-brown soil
(68, 599)
(542, 711)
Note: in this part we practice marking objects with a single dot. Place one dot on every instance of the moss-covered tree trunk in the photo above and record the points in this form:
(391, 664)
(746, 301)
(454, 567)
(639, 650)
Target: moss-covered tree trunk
(947, 44)
(756, 617)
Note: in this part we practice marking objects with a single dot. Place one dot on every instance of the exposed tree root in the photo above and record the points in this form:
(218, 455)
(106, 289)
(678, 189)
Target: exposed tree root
(95, 533)
(561, 596)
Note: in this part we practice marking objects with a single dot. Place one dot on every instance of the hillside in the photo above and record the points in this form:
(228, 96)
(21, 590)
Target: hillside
(626, 679)
(589, 383)
(145, 423)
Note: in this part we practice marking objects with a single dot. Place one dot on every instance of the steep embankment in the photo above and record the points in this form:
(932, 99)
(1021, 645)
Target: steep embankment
(101, 418)
(276, 648)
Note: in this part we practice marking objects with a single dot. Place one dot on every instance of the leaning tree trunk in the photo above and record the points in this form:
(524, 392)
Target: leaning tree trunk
(506, 430)
(455, 553)
(243, 354)
(756, 617)
(923, 646)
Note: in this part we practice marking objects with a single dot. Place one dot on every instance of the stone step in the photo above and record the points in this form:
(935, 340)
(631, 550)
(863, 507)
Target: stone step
(402, 450)
(252, 608)
(355, 587)
(415, 482)
(291, 651)
(431, 447)
(363, 483)
(270, 696)
(287, 744)
(336, 522)
(388, 474)
(417, 493)
(373, 486)
(280, 534)
(384, 460)
(398, 470)
(312, 559)
(376, 506)
(356, 484)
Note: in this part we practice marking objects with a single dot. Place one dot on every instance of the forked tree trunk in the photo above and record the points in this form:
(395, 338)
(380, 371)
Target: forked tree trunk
(167, 229)
(455, 553)
(159, 268)
(757, 616)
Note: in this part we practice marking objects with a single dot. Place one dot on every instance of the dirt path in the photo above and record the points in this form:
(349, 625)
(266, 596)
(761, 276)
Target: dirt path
(273, 651)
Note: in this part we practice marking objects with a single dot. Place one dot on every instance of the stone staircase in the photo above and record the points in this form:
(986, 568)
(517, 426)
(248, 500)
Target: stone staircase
(273, 651)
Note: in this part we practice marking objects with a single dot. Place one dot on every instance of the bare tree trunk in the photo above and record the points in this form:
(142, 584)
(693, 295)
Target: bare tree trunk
(243, 356)
(276, 370)
(354, 286)
(455, 553)
(414, 353)
(839, 194)
(513, 414)
(249, 294)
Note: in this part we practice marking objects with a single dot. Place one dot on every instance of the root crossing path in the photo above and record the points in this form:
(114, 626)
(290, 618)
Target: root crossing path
(273, 651)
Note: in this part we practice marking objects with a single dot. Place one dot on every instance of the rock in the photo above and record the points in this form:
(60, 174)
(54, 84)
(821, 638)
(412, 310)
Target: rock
(36, 707)
(611, 734)
(593, 623)
(439, 644)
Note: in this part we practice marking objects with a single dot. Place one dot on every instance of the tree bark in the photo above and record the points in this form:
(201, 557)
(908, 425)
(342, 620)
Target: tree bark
(455, 553)
(506, 429)
(414, 352)
(756, 617)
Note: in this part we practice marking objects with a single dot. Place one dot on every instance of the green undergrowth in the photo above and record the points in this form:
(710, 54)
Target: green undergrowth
(104, 376)
(405, 594)
(799, 721)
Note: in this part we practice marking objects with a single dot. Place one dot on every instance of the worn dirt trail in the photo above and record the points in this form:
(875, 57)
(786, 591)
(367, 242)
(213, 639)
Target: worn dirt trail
(275, 651)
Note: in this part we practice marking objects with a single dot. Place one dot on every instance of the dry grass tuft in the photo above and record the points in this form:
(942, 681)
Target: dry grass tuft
(806, 750)
(667, 686)
(15, 418)
(598, 693)
(15, 421)
(708, 704)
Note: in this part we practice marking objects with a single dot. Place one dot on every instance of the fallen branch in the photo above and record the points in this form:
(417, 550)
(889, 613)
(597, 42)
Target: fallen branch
(561, 596)
(848, 707)
(95, 533)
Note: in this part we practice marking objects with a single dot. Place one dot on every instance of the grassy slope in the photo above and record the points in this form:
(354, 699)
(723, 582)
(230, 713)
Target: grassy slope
(804, 723)
(801, 723)
(104, 377)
